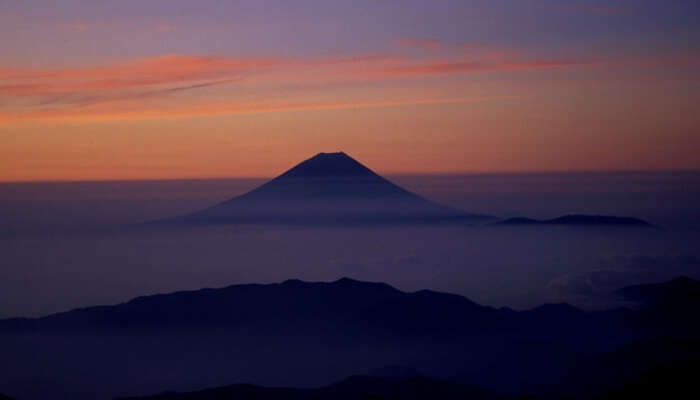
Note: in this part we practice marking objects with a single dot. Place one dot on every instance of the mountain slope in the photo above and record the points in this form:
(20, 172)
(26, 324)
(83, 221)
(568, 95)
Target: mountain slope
(344, 302)
(307, 334)
(682, 292)
(352, 388)
(329, 188)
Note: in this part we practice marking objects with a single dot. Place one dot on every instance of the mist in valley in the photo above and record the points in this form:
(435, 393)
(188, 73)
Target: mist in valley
(68, 245)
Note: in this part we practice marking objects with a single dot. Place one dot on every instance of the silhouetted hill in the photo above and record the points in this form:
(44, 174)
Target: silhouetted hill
(306, 334)
(655, 369)
(329, 188)
(679, 293)
(395, 372)
(667, 307)
(578, 220)
(3, 397)
(352, 388)
(343, 302)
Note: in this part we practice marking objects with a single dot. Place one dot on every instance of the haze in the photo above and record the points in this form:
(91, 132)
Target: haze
(69, 245)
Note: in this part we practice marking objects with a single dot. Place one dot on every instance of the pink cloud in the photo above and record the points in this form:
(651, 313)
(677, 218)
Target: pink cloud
(87, 90)
(144, 73)
(132, 113)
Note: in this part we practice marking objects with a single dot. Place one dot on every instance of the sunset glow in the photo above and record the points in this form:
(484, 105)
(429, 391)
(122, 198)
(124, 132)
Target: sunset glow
(169, 90)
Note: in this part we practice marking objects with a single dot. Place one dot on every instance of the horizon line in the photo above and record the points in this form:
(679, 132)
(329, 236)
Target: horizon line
(388, 174)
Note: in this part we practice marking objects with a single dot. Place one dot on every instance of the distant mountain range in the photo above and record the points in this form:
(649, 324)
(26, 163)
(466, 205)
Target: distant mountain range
(579, 220)
(329, 188)
(298, 334)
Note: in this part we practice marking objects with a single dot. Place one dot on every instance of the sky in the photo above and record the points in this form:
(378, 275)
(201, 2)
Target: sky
(161, 89)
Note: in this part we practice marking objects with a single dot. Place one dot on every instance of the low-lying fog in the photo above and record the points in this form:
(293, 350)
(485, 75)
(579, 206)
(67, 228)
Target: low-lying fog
(61, 245)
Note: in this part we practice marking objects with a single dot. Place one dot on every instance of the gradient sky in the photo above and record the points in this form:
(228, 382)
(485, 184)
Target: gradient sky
(181, 89)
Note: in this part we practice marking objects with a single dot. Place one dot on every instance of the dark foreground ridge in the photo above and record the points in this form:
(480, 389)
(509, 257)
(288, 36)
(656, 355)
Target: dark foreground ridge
(669, 381)
(329, 188)
(309, 334)
(352, 388)
(681, 294)
(579, 220)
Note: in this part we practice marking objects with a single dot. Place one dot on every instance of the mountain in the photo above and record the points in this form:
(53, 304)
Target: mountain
(648, 370)
(329, 188)
(352, 388)
(579, 220)
(292, 333)
(345, 302)
(668, 307)
(307, 334)
(682, 292)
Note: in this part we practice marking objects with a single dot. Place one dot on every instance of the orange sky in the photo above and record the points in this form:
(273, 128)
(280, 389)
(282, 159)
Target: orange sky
(404, 104)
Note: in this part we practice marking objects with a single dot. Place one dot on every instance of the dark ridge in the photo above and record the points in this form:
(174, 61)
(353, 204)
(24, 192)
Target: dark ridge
(579, 220)
(670, 308)
(345, 300)
(655, 369)
(680, 292)
(610, 374)
(292, 330)
(598, 220)
(395, 372)
(560, 309)
(352, 388)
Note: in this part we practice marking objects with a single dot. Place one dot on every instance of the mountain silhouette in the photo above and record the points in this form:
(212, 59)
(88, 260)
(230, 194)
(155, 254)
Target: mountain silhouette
(352, 388)
(307, 334)
(342, 302)
(681, 292)
(329, 188)
(648, 370)
(578, 220)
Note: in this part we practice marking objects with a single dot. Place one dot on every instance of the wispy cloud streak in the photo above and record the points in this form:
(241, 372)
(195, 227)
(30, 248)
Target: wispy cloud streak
(51, 93)
(230, 108)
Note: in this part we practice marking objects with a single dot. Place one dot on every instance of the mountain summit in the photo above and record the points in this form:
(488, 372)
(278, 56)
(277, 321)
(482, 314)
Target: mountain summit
(328, 165)
(329, 188)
